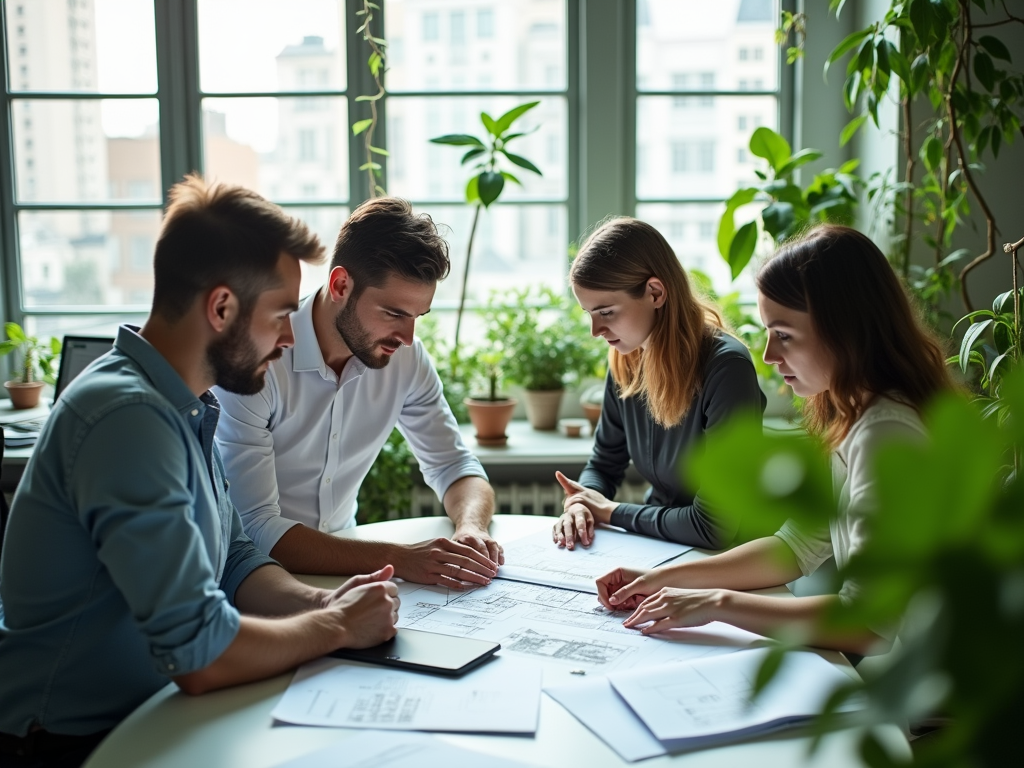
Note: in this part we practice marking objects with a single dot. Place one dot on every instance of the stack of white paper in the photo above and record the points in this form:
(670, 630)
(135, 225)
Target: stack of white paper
(405, 750)
(535, 558)
(655, 711)
(500, 697)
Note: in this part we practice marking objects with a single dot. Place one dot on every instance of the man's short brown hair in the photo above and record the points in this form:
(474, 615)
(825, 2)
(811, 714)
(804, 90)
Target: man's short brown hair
(384, 237)
(222, 234)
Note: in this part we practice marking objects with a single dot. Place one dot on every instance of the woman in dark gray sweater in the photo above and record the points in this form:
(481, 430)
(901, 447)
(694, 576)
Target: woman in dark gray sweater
(674, 373)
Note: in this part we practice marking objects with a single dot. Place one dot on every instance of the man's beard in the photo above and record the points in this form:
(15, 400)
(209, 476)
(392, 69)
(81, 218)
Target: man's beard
(357, 339)
(235, 360)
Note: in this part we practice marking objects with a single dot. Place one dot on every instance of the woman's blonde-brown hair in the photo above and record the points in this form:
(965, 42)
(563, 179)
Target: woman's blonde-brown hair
(862, 315)
(622, 255)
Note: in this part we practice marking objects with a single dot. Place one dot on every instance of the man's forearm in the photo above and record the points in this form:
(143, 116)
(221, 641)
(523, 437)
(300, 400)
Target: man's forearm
(304, 550)
(272, 591)
(469, 502)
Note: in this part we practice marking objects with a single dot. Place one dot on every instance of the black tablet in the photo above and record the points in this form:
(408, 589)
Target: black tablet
(425, 652)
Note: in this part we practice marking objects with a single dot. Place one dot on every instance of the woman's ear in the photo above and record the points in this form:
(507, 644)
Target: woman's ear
(656, 291)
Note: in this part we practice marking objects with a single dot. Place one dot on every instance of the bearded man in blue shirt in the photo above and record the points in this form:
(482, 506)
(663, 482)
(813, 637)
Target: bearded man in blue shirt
(125, 564)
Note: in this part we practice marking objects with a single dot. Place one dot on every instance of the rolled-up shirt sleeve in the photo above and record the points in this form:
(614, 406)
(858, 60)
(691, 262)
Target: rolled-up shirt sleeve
(246, 444)
(811, 548)
(429, 425)
(142, 522)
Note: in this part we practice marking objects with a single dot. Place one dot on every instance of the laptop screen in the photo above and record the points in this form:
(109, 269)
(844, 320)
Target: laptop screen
(75, 356)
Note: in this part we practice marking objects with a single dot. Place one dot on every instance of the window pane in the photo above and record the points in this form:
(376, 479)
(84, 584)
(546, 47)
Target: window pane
(698, 149)
(693, 44)
(79, 325)
(477, 45)
(271, 45)
(105, 46)
(87, 258)
(692, 231)
(74, 151)
(420, 170)
(325, 221)
(516, 246)
(287, 149)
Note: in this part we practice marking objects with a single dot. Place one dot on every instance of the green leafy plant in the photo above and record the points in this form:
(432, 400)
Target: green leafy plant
(786, 208)
(543, 337)
(387, 487)
(944, 555)
(367, 126)
(486, 185)
(936, 50)
(37, 356)
(490, 363)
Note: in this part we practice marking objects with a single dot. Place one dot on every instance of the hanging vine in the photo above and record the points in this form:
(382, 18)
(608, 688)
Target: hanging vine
(366, 127)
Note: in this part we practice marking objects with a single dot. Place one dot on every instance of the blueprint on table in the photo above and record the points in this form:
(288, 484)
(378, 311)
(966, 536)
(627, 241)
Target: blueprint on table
(565, 631)
(536, 560)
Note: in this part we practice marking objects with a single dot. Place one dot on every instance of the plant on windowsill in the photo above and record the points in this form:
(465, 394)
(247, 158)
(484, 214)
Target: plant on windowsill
(548, 345)
(490, 412)
(486, 185)
(37, 365)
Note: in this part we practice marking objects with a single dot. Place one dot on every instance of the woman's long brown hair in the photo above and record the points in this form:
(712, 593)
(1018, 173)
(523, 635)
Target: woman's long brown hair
(863, 317)
(622, 255)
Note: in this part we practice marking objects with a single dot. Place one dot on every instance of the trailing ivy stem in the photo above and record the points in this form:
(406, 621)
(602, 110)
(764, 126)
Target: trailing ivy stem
(908, 150)
(465, 275)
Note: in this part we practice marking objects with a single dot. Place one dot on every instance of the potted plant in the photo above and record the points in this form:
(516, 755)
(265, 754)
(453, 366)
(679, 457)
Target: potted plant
(492, 412)
(37, 365)
(547, 347)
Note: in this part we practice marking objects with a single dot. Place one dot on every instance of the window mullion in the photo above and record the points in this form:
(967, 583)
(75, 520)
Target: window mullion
(177, 60)
(10, 296)
(361, 82)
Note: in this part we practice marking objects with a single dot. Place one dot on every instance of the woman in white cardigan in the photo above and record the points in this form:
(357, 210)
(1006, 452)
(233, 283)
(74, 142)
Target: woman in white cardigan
(844, 336)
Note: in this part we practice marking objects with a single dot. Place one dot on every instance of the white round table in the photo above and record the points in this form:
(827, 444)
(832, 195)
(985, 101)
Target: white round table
(233, 728)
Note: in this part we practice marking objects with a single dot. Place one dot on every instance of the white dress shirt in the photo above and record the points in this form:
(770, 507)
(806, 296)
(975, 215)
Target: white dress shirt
(298, 451)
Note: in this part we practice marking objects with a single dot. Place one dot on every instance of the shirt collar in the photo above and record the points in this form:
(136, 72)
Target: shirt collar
(306, 354)
(165, 379)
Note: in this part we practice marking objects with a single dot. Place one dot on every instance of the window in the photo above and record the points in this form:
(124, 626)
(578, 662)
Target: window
(431, 27)
(485, 23)
(681, 116)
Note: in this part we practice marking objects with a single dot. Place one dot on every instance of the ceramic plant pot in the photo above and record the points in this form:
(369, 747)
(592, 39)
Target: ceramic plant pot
(593, 413)
(24, 394)
(490, 419)
(542, 408)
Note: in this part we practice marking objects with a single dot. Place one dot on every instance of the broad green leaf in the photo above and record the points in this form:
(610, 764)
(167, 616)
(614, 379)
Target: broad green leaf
(769, 667)
(727, 224)
(921, 17)
(1002, 360)
(490, 186)
(471, 154)
(1000, 301)
(361, 125)
(847, 45)
(14, 332)
(931, 153)
(742, 248)
(522, 162)
(995, 47)
(771, 146)
(900, 65)
(505, 121)
(973, 334)
(802, 157)
(850, 129)
(490, 124)
(509, 177)
(6, 347)
(778, 218)
(458, 140)
(984, 70)
(882, 55)
(379, 151)
(473, 190)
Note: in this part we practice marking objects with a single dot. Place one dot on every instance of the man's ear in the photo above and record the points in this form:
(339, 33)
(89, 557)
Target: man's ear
(656, 291)
(221, 308)
(340, 285)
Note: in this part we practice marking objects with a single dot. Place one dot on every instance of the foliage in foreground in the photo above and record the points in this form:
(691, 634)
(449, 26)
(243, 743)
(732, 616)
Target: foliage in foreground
(945, 556)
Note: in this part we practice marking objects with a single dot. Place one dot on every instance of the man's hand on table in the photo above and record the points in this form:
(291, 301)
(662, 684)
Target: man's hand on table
(443, 562)
(368, 608)
(480, 540)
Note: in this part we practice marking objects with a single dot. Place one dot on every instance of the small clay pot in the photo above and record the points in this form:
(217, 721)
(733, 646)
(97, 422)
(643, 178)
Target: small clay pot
(490, 418)
(593, 413)
(542, 408)
(24, 394)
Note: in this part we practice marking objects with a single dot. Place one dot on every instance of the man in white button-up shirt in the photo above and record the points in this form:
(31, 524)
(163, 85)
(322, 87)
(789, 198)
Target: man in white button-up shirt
(297, 452)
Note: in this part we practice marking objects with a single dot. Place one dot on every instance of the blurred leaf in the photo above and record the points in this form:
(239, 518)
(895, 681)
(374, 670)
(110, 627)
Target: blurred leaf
(742, 247)
(471, 154)
(361, 125)
(984, 70)
(458, 140)
(850, 129)
(727, 224)
(14, 332)
(995, 46)
(522, 162)
(771, 146)
(490, 185)
(504, 122)
(490, 124)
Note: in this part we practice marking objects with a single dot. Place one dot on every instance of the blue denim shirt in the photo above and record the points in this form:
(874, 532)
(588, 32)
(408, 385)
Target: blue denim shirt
(123, 551)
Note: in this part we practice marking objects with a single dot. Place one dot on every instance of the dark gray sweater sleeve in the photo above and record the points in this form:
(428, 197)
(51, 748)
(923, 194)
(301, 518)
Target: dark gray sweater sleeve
(731, 387)
(610, 458)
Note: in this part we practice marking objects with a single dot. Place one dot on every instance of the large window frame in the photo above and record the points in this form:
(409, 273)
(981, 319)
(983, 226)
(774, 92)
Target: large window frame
(600, 95)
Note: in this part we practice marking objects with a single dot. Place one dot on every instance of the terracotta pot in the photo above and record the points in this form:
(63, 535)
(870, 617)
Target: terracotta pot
(24, 394)
(593, 413)
(490, 419)
(542, 408)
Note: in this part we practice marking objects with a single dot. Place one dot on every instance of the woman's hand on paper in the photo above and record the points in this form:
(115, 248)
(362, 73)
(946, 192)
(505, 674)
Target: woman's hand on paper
(625, 588)
(582, 509)
(673, 607)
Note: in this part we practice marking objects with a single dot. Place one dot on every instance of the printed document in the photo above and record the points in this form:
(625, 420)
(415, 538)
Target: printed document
(709, 700)
(536, 560)
(372, 749)
(499, 697)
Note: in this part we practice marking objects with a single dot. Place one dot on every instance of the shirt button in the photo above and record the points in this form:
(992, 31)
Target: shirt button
(334, 436)
(195, 411)
(323, 526)
(328, 481)
(170, 667)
